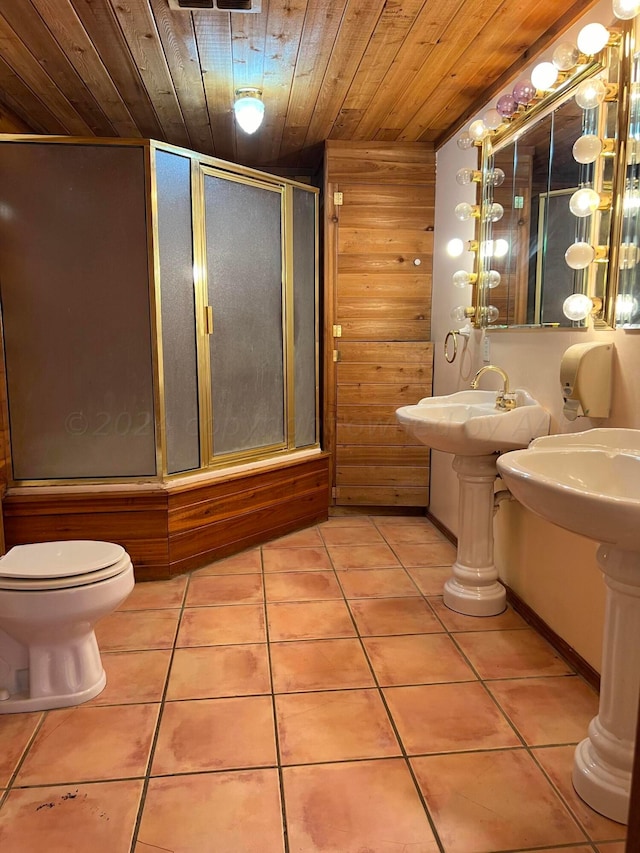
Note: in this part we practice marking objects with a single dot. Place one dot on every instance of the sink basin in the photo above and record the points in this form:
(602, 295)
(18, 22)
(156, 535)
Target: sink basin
(588, 483)
(468, 424)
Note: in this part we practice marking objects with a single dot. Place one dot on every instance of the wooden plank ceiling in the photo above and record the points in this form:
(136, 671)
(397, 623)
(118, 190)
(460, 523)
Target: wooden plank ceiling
(390, 70)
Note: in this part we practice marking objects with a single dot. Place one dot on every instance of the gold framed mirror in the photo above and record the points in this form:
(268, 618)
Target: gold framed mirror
(551, 186)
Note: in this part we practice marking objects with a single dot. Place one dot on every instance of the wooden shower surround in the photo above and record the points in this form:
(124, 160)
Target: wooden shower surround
(180, 525)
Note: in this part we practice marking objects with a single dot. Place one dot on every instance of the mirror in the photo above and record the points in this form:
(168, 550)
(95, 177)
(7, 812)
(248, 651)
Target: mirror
(531, 212)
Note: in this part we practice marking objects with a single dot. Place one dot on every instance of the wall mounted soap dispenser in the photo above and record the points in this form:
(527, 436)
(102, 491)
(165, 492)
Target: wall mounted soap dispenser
(585, 376)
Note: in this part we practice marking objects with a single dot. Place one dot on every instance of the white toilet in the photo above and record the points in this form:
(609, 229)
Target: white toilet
(51, 596)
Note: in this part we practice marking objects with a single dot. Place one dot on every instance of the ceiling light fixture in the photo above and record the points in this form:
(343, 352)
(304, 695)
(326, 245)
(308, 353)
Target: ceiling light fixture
(249, 108)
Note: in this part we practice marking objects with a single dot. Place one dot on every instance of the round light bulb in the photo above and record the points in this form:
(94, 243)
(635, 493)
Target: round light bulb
(590, 94)
(544, 76)
(584, 202)
(492, 119)
(495, 212)
(496, 178)
(478, 130)
(566, 56)
(464, 211)
(506, 106)
(587, 149)
(500, 248)
(491, 313)
(577, 306)
(461, 313)
(579, 255)
(491, 279)
(524, 92)
(626, 308)
(464, 141)
(626, 9)
(592, 38)
(455, 247)
(462, 278)
(465, 176)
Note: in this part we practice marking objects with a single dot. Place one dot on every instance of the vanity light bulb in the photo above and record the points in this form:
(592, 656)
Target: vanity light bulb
(592, 39)
(579, 256)
(491, 279)
(465, 176)
(492, 119)
(626, 9)
(544, 76)
(496, 178)
(524, 92)
(478, 130)
(500, 248)
(566, 56)
(578, 306)
(584, 202)
(492, 313)
(461, 313)
(626, 308)
(464, 141)
(587, 149)
(495, 212)
(464, 211)
(462, 278)
(455, 247)
(506, 106)
(590, 94)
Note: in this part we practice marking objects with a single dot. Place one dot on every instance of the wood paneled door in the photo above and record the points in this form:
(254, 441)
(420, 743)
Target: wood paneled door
(379, 211)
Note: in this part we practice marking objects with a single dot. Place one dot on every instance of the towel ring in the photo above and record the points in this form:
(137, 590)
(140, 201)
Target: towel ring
(452, 333)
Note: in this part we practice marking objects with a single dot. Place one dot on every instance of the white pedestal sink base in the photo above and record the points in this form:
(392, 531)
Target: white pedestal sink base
(473, 588)
(603, 761)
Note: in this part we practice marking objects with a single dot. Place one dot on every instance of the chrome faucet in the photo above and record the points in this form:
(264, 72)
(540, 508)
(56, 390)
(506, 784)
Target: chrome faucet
(504, 399)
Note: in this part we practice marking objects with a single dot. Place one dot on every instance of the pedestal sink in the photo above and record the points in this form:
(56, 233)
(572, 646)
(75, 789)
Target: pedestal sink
(589, 483)
(469, 425)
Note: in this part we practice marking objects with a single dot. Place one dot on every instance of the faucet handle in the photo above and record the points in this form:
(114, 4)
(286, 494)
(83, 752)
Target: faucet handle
(506, 400)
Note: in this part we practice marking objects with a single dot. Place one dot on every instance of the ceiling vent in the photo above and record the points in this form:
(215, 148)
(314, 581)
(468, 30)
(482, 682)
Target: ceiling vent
(216, 5)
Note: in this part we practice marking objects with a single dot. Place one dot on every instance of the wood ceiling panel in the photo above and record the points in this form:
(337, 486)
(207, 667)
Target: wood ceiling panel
(360, 70)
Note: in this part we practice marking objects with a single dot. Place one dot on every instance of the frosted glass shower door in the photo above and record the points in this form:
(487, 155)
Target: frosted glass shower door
(244, 268)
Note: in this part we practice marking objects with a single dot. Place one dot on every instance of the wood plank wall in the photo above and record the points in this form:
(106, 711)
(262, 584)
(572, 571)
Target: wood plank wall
(378, 263)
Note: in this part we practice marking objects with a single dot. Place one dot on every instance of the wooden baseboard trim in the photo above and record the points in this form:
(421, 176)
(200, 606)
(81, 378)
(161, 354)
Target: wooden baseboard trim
(575, 660)
(441, 527)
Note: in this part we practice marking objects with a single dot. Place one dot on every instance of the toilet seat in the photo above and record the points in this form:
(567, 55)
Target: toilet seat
(61, 565)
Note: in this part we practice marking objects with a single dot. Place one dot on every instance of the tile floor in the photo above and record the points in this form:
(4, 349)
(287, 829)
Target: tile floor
(310, 695)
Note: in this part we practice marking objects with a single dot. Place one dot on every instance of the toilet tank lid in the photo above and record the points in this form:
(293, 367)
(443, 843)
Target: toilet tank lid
(59, 559)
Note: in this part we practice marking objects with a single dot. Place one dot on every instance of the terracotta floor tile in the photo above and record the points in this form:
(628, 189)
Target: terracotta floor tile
(547, 710)
(612, 847)
(378, 556)
(319, 665)
(133, 677)
(455, 622)
(355, 807)
(154, 595)
(416, 659)
(309, 620)
(384, 616)
(334, 726)
(211, 590)
(137, 630)
(82, 744)
(485, 802)
(213, 671)
(376, 583)
(221, 626)
(215, 734)
(247, 562)
(431, 579)
(409, 534)
(557, 762)
(511, 654)
(425, 554)
(296, 560)
(16, 730)
(100, 818)
(448, 718)
(302, 586)
(308, 538)
(363, 535)
(221, 812)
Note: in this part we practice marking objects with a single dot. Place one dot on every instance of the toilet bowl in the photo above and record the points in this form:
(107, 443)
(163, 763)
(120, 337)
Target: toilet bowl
(51, 596)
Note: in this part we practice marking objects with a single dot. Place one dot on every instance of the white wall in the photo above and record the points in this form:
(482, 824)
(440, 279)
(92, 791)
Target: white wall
(552, 570)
